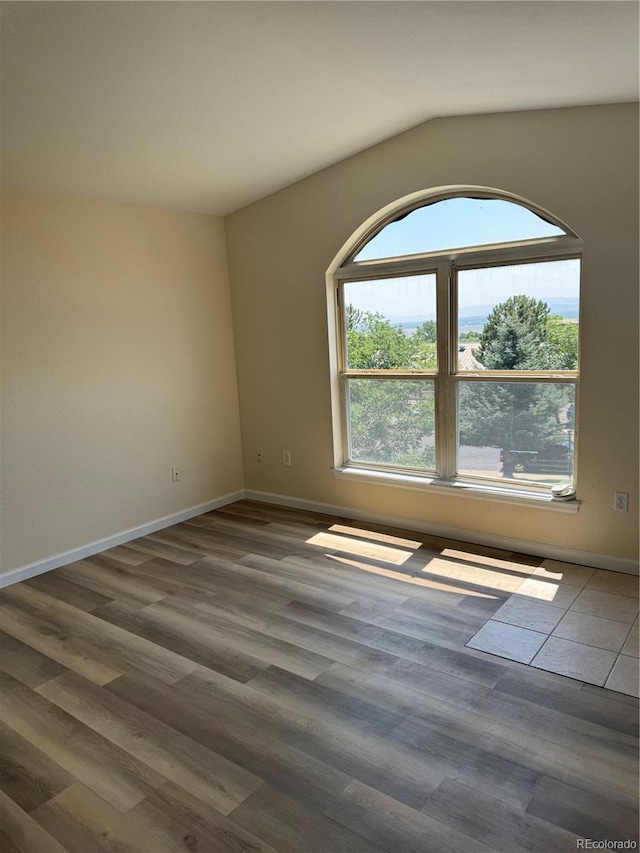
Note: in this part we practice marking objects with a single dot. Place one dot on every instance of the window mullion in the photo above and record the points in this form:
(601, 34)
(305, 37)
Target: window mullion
(445, 390)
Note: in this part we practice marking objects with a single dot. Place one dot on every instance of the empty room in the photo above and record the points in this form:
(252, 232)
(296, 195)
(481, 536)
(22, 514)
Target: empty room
(319, 426)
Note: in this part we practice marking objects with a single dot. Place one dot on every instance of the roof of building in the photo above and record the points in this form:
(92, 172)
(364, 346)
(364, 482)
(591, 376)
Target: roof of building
(466, 357)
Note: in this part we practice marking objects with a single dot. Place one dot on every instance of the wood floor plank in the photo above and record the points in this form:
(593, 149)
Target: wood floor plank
(185, 824)
(354, 629)
(111, 647)
(315, 571)
(592, 707)
(200, 539)
(354, 545)
(589, 739)
(210, 777)
(437, 615)
(451, 634)
(485, 769)
(262, 679)
(155, 548)
(405, 583)
(454, 662)
(280, 540)
(27, 775)
(71, 593)
(492, 822)
(484, 558)
(390, 766)
(232, 540)
(373, 582)
(240, 576)
(196, 579)
(285, 822)
(124, 555)
(480, 577)
(433, 542)
(25, 663)
(395, 827)
(82, 821)
(318, 700)
(184, 638)
(444, 641)
(20, 833)
(53, 641)
(275, 512)
(113, 582)
(583, 814)
(328, 645)
(591, 690)
(356, 529)
(230, 729)
(246, 597)
(258, 648)
(452, 717)
(353, 752)
(110, 771)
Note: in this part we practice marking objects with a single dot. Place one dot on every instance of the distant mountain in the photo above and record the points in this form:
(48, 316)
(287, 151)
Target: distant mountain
(476, 315)
(566, 306)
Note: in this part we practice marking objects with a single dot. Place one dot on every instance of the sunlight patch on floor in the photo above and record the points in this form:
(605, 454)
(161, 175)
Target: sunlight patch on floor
(542, 590)
(486, 560)
(449, 570)
(351, 545)
(385, 538)
(399, 576)
(490, 578)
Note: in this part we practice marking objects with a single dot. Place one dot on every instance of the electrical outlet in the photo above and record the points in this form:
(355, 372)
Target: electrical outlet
(260, 454)
(175, 474)
(286, 457)
(621, 502)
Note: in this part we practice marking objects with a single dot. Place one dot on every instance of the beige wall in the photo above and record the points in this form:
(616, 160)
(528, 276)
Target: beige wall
(118, 356)
(581, 164)
(117, 363)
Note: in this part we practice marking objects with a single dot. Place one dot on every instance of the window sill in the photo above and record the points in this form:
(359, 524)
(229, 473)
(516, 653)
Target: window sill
(477, 491)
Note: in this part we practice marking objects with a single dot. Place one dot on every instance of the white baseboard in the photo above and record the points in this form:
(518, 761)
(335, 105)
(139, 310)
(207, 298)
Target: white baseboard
(22, 573)
(507, 543)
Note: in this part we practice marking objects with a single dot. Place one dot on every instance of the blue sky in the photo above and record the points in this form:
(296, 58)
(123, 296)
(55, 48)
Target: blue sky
(454, 223)
(451, 224)
(416, 295)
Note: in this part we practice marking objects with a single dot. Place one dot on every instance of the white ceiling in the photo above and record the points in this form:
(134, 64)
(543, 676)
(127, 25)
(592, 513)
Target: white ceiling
(211, 105)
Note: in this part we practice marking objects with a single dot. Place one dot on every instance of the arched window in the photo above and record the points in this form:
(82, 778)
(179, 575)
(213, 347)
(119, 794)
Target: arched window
(454, 331)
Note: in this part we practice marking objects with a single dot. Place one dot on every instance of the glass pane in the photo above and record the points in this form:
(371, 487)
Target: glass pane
(391, 323)
(454, 224)
(519, 317)
(391, 422)
(517, 430)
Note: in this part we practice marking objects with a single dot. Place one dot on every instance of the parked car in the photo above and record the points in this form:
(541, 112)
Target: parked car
(553, 459)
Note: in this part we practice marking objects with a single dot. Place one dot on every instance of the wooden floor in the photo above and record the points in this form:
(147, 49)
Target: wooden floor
(261, 679)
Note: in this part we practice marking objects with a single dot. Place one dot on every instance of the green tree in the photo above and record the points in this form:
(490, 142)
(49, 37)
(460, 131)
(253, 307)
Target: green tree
(514, 336)
(424, 347)
(509, 415)
(377, 345)
(389, 419)
(512, 416)
(426, 332)
(353, 317)
(390, 422)
(562, 343)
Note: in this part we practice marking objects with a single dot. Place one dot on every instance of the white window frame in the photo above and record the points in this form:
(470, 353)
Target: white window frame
(447, 376)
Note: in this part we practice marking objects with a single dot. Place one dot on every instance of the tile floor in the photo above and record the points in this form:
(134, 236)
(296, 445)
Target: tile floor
(572, 620)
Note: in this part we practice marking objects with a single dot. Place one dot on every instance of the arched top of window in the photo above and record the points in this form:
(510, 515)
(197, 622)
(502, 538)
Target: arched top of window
(455, 218)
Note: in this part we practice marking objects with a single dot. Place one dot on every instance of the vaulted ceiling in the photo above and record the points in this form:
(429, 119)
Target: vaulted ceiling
(211, 105)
